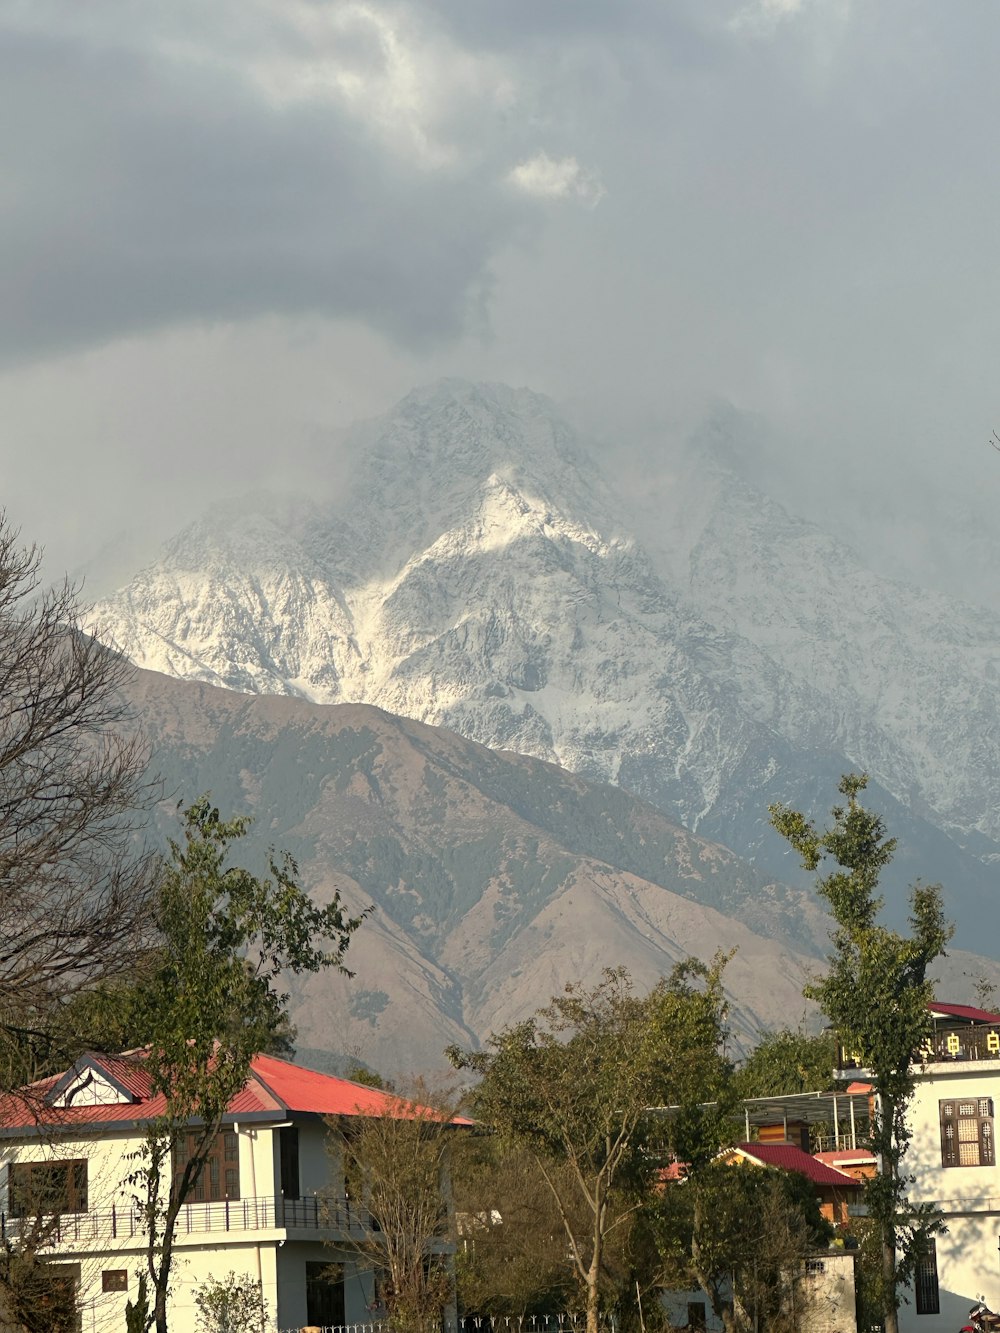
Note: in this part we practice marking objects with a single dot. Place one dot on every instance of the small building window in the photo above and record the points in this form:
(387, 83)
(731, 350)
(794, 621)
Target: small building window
(114, 1279)
(926, 1281)
(967, 1132)
(288, 1146)
(696, 1316)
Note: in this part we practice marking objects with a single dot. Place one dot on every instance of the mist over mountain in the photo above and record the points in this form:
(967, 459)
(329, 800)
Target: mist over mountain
(690, 640)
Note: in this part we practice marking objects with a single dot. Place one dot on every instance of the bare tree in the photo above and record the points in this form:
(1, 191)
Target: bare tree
(74, 888)
(396, 1165)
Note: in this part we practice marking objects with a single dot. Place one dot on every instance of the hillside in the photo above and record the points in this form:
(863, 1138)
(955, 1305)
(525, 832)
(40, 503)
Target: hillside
(496, 878)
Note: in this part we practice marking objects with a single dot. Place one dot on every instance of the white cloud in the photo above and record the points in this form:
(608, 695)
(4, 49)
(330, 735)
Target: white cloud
(402, 79)
(557, 178)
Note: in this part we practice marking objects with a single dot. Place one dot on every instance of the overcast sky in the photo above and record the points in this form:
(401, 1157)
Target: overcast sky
(228, 228)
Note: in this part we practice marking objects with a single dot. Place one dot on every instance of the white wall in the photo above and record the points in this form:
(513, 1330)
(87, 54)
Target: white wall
(969, 1196)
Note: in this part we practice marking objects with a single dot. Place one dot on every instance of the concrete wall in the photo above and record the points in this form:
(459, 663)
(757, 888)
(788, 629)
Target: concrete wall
(968, 1261)
(825, 1297)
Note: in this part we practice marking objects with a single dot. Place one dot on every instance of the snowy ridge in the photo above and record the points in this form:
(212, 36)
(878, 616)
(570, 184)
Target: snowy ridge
(712, 653)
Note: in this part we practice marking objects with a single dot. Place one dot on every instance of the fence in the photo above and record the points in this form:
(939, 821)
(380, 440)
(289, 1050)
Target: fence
(341, 1217)
(554, 1323)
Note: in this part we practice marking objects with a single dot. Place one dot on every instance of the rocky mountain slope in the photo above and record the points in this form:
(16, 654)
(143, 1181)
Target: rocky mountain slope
(699, 645)
(495, 878)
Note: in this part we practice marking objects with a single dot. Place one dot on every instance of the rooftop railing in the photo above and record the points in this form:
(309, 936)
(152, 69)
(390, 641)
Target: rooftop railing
(265, 1213)
(956, 1044)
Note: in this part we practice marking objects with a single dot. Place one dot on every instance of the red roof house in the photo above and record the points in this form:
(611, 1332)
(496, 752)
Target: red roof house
(270, 1205)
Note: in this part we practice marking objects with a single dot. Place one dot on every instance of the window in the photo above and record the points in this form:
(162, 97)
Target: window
(59, 1298)
(43, 1188)
(967, 1132)
(114, 1279)
(325, 1295)
(219, 1177)
(288, 1148)
(926, 1280)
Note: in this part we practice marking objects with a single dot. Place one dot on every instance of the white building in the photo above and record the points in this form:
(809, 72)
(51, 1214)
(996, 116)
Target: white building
(264, 1207)
(952, 1157)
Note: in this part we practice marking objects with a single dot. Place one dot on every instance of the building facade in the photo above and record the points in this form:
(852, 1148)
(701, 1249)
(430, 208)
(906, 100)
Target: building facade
(269, 1206)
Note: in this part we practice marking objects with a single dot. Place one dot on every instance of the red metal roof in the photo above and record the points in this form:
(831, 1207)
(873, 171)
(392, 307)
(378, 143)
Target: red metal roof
(276, 1088)
(301, 1089)
(790, 1158)
(967, 1011)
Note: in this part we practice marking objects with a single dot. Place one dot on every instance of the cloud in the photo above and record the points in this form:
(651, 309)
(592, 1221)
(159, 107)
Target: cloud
(308, 158)
(557, 178)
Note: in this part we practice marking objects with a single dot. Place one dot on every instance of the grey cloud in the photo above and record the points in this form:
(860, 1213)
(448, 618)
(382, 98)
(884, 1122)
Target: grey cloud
(137, 194)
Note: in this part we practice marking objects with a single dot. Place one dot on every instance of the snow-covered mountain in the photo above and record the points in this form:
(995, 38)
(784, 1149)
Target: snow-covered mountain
(700, 646)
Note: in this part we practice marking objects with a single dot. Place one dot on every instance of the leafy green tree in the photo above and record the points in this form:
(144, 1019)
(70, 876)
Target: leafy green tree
(511, 1257)
(213, 1003)
(788, 1061)
(876, 995)
(741, 1234)
(233, 1304)
(573, 1087)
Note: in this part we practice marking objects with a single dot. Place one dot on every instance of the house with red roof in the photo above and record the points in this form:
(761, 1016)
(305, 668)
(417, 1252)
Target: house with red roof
(835, 1189)
(270, 1204)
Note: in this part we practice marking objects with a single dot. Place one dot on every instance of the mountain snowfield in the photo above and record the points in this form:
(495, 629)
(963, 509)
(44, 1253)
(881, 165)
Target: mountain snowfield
(700, 646)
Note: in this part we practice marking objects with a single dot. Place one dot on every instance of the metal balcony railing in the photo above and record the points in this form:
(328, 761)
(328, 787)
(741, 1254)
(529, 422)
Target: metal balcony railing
(840, 1142)
(958, 1044)
(265, 1213)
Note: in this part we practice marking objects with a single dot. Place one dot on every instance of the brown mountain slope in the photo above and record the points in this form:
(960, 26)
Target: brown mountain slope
(495, 878)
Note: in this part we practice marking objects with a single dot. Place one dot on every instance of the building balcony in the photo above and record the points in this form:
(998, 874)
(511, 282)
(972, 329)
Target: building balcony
(331, 1216)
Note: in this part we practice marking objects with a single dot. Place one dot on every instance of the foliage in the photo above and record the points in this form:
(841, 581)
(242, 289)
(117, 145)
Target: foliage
(738, 1231)
(511, 1256)
(35, 1296)
(573, 1087)
(233, 1304)
(397, 1164)
(357, 1072)
(137, 1312)
(788, 1061)
(876, 994)
(213, 1002)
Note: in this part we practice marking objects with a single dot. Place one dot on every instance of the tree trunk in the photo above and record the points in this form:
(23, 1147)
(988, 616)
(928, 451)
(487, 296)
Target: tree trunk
(593, 1294)
(597, 1254)
(891, 1314)
(161, 1270)
(160, 1303)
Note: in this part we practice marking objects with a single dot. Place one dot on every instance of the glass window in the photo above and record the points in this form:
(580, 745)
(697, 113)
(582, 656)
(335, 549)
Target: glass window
(48, 1188)
(325, 1295)
(696, 1316)
(219, 1177)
